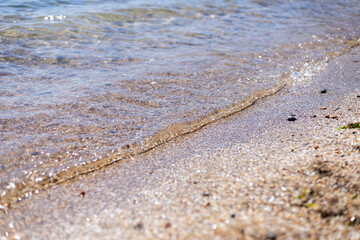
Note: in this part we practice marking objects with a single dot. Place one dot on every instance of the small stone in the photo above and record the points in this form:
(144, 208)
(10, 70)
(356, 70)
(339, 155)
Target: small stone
(233, 215)
(334, 117)
(271, 235)
(168, 225)
(323, 108)
(313, 116)
(138, 226)
(316, 146)
(82, 194)
(206, 194)
(291, 119)
(327, 116)
(323, 91)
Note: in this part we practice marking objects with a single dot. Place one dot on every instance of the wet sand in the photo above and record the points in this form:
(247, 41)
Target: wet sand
(254, 175)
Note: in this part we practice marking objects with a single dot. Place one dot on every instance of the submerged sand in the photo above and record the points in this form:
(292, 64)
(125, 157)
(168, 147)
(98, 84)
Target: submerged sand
(254, 175)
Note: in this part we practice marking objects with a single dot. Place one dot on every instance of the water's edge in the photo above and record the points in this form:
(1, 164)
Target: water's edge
(27, 185)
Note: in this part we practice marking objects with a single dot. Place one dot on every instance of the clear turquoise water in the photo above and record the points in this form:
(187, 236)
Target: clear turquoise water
(82, 79)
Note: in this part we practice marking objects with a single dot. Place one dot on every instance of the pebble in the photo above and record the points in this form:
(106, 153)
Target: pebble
(271, 235)
(82, 194)
(291, 119)
(138, 226)
(206, 194)
(323, 108)
(323, 91)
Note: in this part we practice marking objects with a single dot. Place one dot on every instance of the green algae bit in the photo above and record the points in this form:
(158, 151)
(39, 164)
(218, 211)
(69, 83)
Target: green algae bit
(313, 206)
(354, 196)
(350, 125)
(302, 194)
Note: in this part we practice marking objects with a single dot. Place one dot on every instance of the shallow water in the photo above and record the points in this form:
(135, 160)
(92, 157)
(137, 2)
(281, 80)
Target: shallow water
(86, 83)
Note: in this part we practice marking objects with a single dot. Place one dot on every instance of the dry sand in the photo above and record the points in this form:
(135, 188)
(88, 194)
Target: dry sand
(254, 175)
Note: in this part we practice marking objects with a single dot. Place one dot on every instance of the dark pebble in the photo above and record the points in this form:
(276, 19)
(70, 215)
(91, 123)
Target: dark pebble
(206, 194)
(313, 116)
(358, 96)
(271, 235)
(323, 91)
(35, 153)
(61, 59)
(168, 225)
(291, 119)
(233, 215)
(138, 226)
(82, 194)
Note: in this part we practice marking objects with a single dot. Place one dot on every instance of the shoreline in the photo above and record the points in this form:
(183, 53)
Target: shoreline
(255, 175)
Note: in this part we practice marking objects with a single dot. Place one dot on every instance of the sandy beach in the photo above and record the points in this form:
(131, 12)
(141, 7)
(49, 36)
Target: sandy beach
(282, 168)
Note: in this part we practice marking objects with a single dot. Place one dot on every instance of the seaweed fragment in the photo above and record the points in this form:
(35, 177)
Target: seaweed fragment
(314, 206)
(350, 126)
(354, 196)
